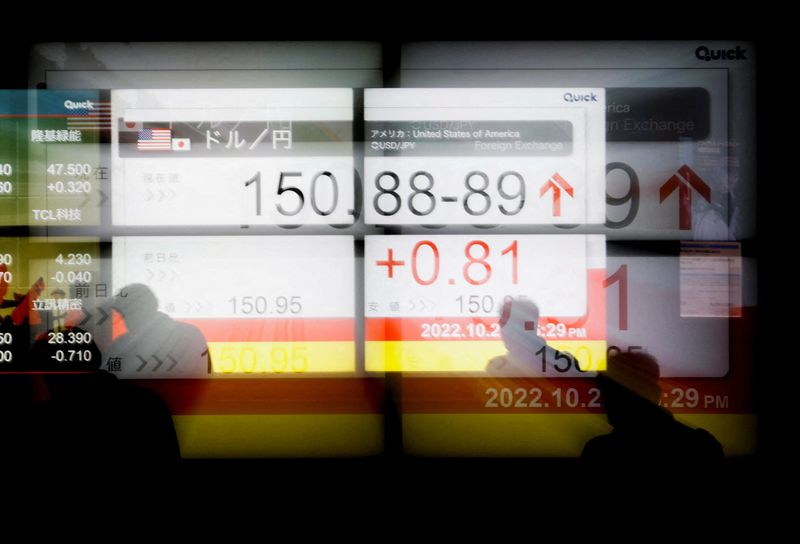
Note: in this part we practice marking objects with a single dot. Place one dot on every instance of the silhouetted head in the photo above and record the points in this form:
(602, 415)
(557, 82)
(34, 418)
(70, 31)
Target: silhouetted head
(629, 386)
(70, 350)
(137, 304)
(518, 326)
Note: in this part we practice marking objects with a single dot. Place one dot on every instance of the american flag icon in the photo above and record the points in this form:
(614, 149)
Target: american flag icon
(96, 117)
(154, 139)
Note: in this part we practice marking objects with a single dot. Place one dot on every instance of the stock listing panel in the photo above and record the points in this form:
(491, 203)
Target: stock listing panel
(50, 165)
(280, 247)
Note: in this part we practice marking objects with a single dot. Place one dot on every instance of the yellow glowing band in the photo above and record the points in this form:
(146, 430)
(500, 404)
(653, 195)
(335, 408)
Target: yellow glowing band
(282, 357)
(545, 435)
(270, 435)
(449, 356)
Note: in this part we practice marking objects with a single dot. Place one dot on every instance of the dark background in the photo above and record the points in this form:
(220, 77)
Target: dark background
(493, 483)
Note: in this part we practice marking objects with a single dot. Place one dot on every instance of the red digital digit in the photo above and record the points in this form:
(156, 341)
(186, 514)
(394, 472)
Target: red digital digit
(513, 250)
(414, 272)
(477, 260)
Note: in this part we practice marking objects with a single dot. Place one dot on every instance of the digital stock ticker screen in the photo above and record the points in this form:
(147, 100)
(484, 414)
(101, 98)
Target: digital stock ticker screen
(502, 250)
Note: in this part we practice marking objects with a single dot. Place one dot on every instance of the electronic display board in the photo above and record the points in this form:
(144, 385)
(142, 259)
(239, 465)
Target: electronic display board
(680, 154)
(286, 253)
(279, 156)
(484, 156)
(450, 303)
(51, 168)
(679, 207)
(273, 313)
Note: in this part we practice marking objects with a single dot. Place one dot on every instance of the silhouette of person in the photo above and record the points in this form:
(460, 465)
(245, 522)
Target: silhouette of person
(89, 417)
(154, 342)
(646, 437)
(519, 328)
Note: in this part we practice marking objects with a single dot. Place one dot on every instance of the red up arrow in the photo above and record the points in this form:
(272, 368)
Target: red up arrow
(556, 182)
(684, 181)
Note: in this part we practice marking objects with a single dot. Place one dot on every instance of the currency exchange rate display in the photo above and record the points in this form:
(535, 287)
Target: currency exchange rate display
(303, 263)
(275, 316)
(679, 221)
(484, 156)
(679, 127)
(268, 365)
(254, 335)
(450, 303)
(279, 156)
